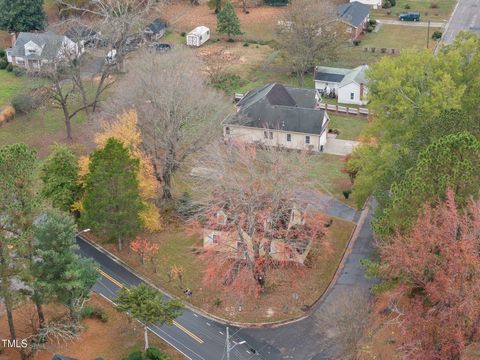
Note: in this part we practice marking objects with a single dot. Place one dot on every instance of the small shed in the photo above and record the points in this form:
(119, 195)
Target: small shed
(198, 36)
(155, 30)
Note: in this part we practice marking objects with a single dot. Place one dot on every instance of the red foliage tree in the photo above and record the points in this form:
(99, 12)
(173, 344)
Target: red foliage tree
(250, 216)
(144, 248)
(438, 267)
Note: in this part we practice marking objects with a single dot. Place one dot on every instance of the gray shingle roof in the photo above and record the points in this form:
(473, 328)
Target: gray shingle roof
(353, 13)
(340, 75)
(277, 107)
(50, 42)
(156, 26)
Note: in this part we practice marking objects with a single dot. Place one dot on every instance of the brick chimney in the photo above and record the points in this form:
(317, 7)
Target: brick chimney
(361, 91)
(13, 38)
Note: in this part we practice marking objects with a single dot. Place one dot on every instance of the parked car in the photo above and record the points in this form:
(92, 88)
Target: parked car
(111, 58)
(410, 16)
(159, 47)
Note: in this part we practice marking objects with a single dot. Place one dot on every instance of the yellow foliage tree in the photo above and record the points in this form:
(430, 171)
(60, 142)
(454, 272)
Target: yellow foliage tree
(125, 129)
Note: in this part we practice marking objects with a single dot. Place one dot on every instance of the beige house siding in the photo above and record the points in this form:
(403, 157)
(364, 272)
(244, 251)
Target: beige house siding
(275, 137)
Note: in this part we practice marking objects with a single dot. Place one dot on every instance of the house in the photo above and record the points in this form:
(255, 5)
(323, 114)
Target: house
(276, 115)
(220, 237)
(198, 36)
(372, 3)
(354, 16)
(155, 30)
(35, 50)
(348, 85)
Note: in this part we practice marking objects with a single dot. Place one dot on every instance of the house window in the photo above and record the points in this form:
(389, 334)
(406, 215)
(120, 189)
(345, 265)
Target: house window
(271, 135)
(349, 29)
(289, 137)
(352, 96)
(307, 139)
(227, 131)
(265, 135)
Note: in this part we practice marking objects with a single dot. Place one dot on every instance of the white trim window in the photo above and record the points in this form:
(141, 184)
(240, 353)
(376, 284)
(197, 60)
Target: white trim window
(289, 137)
(307, 139)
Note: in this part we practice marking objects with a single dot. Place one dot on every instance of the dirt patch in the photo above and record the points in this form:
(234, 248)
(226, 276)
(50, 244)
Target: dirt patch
(259, 24)
(111, 340)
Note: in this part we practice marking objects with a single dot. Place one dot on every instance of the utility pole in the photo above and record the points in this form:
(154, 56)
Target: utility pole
(228, 343)
(428, 34)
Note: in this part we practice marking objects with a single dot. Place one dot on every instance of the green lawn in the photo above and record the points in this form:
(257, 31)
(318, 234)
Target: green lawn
(399, 37)
(441, 10)
(350, 126)
(10, 85)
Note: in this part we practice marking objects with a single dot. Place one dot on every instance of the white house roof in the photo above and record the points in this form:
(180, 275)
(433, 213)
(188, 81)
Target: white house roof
(199, 30)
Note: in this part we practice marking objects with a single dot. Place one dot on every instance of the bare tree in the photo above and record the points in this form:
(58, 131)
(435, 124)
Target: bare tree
(309, 33)
(115, 26)
(247, 204)
(177, 113)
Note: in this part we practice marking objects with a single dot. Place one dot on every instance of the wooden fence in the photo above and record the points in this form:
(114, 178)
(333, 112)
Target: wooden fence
(344, 109)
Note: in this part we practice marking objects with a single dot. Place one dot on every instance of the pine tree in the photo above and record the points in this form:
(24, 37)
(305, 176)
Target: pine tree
(59, 176)
(227, 21)
(146, 304)
(25, 15)
(112, 198)
(60, 274)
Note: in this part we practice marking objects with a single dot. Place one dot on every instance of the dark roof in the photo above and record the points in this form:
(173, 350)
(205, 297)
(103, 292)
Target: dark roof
(79, 32)
(323, 76)
(156, 26)
(277, 107)
(353, 13)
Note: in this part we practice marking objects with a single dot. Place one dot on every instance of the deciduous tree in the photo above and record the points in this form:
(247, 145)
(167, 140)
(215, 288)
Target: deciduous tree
(147, 305)
(112, 200)
(247, 195)
(143, 248)
(437, 266)
(177, 112)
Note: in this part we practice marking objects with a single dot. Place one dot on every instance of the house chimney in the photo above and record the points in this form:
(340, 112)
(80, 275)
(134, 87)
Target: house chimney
(13, 38)
(361, 91)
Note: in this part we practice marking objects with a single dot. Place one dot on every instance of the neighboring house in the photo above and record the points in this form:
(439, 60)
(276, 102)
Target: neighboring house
(355, 17)
(198, 36)
(218, 237)
(276, 115)
(35, 50)
(348, 85)
(155, 30)
(373, 3)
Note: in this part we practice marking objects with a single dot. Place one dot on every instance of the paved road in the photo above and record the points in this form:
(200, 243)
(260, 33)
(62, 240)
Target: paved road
(466, 16)
(433, 24)
(200, 338)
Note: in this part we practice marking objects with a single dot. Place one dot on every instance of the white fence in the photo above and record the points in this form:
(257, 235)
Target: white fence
(344, 109)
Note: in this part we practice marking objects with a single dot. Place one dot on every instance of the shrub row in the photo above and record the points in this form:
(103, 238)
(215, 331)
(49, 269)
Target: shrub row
(152, 353)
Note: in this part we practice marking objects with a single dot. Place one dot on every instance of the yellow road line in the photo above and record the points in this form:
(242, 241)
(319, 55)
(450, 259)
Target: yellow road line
(120, 285)
(188, 332)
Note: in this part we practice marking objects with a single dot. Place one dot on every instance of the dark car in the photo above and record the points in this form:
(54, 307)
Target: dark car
(410, 16)
(159, 47)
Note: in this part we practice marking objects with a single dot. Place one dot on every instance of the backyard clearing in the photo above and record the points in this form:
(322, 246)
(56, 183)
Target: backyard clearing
(111, 340)
(182, 252)
(434, 10)
(349, 126)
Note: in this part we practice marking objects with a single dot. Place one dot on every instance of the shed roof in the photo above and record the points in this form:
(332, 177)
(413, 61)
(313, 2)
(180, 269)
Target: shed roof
(278, 107)
(199, 30)
(156, 26)
(353, 13)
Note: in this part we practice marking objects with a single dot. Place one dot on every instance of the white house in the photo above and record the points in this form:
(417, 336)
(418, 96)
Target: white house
(276, 115)
(34, 50)
(198, 36)
(348, 85)
(373, 3)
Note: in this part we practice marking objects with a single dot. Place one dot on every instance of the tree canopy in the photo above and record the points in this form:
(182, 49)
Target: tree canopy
(112, 201)
(227, 21)
(25, 15)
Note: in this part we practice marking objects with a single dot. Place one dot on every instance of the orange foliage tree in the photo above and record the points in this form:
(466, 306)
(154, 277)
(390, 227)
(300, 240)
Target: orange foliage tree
(249, 217)
(144, 248)
(437, 265)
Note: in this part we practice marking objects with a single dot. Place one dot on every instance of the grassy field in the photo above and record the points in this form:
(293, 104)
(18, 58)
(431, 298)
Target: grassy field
(350, 127)
(435, 10)
(180, 249)
(10, 85)
(399, 37)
